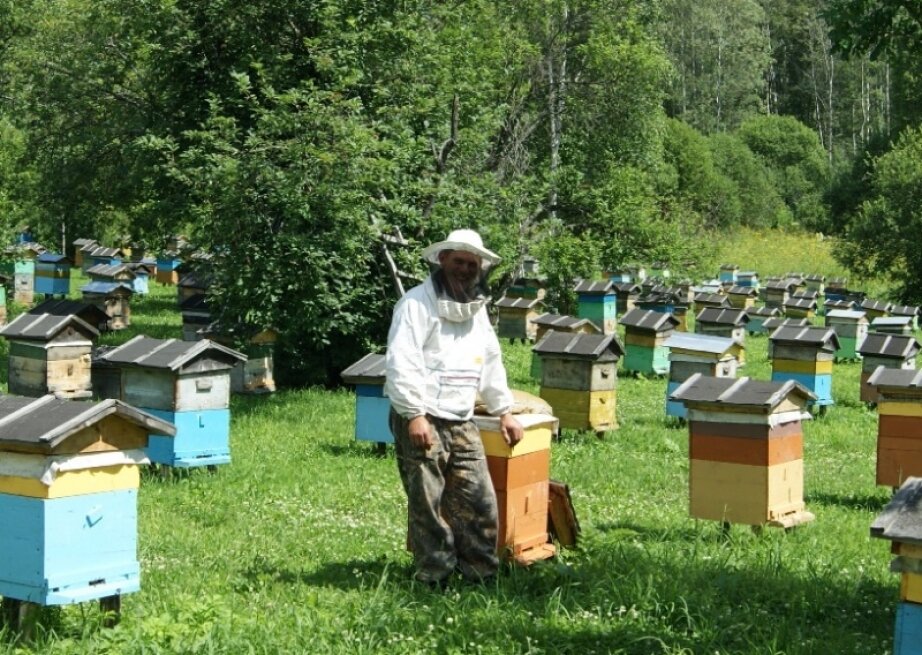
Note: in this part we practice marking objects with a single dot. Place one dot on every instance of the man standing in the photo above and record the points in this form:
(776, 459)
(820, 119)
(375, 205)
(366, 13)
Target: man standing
(442, 351)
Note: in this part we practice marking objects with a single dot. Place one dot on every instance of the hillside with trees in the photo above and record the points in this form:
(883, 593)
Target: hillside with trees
(284, 136)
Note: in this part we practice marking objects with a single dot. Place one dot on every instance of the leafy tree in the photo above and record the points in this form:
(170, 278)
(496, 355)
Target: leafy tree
(882, 237)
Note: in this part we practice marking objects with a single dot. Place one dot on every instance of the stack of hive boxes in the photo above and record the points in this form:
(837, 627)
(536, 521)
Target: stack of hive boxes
(698, 353)
(645, 335)
(516, 315)
(899, 424)
(746, 449)
(758, 316)
(558, 323)
(579, 377)
(521, 477)
(69, 474)
(851, 327)
(892, 325)
(371, 405)
(901, 524)
(598, 302)
(805, 355)
(888, 350)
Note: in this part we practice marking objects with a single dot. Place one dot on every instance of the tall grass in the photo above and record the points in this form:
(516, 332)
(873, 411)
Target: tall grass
(298, 546)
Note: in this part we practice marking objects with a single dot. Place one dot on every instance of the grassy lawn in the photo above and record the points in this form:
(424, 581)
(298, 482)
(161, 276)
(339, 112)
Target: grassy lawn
(298, 545)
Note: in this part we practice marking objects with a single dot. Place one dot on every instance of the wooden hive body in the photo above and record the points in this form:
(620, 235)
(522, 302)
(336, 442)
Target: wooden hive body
(579, 374)
(516, 317)
(520, 476)
(52, 274)
(851, 327)
(187, 384)
(598, 302)
(167, 265)
(745, 450)
(886, 350)
(899, 424)
(691, 354)
(50, 354)
(805, 355)
(69, 474)
(645, 336)
(372, 407)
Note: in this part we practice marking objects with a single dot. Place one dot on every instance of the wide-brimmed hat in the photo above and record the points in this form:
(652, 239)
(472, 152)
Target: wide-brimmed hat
(466, 240)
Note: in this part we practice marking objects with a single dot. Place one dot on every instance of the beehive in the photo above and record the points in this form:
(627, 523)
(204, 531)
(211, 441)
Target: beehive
(778, 292)
(758, 317)
(167, 264)
(836, 288)
(598, 303)
(805, 355)
(900, 522)
(745, 449)
(698, 353)
(372, 407)
(626, 294)
(516, 317)
(143, 271)
(851, 327)
(748, 279)
(50, 354)
(718, 300)
(666, 300)
(892, 325)
(52, 274)
(800, 308)
(719, 322)
(68, 494)
(520, 476)
(196, 317)
(558, 323)
(741, 297)
(256, 375)
(79, 247)
(645, 335)
(728, 273)
(899, 424)
(186, 383)
(875, 308)
(907, 310)
(816, 282)
(579, 376)
(110, 289)
(888, 350)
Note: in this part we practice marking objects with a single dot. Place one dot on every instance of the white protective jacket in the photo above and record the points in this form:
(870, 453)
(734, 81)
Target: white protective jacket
(436, 366)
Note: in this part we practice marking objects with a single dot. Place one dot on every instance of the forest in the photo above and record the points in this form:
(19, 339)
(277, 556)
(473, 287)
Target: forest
(284, 137)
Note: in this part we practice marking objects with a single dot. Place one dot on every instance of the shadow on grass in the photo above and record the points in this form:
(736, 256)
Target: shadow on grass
(349, 575)
(871, 502)
(362, 449)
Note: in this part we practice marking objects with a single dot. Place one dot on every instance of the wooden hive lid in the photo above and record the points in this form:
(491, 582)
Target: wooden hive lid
(173, 355)
(854, 315)
(45, 327)
(739, 393)
(901, 518)
(103, 251)
(44, 424)
(647, 319)
(895, 346)
(737, 290)
(840, 304)
(593, 347)
(716, 299)
(800, 303)
(904, 310)
(809, 294)
(876, 305)
(770, 312)
(723, 316)
(80, 243)
(564, 323)
(370, 369)
(903, 379)
(823, 338)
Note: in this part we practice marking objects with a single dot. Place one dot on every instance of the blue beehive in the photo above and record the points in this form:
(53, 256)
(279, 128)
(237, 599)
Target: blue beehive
(68, 496)
(143, 271)
(52, 274)
(186, 383)
(598, 302)
(728, 273)
(805, 355)
(371, 405)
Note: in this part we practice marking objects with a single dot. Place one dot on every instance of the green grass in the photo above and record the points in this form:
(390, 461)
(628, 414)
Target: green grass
(299, 546)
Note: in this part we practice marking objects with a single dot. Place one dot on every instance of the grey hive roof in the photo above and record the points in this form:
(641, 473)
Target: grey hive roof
(876, 305)
(839, 304)
(47, 421)
(627, 287)
(891, 321)
(779, 285)
(714, 299)
(51, 258)
(763, 311)
(667, 297)
(102, 251)
(816, 277)
(901, 518)
(518, 303)
(851, 314)
(738, 392)
(884, 376)
(800, 303)
(562, 321)
(647, 319)
(904, 310)
(729, 267)
(779, 321)
(82, 242)
(597, 347)
(44, 327)
(820, 337)
(370, 369)
(170, 354)
(109, 271)
(737, 290)
(809, 294)
(195, 279)
(722, 316)
(701, 342)
(897, 346)
(591, 287)
(63, 307)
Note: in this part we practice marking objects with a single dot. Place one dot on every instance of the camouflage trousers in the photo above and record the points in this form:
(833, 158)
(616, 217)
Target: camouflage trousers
(451, 501)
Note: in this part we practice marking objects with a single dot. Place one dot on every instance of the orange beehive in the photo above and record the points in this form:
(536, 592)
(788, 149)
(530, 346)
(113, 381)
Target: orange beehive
(899, 427)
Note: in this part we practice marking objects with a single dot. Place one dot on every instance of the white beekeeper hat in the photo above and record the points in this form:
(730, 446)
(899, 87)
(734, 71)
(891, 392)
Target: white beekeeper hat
(466, 240)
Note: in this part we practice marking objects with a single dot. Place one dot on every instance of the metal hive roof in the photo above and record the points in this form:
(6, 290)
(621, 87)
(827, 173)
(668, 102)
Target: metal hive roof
(98, 286)
(899, 346)
(891, 321)
(737, 290)
(47, 421)
(763, 311)
(595, 286)
(779, 321)
(712, 299)
(701, 342)
(800, 303)
(627, 287)
(169, 354)
(884, 376)
(876, 305)
(562, 321)
(738, 392)
(822, 337)
(518, 303)
(50, 258)
(853, 314)
(371, 368)
(600, 347)
(901, 518)
(904, 310)
(63, 307)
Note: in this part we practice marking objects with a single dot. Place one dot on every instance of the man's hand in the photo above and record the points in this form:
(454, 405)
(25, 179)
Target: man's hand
(420, 432)
(511, 429)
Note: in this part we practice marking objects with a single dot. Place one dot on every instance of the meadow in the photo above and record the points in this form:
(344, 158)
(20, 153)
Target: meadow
(298, 546)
